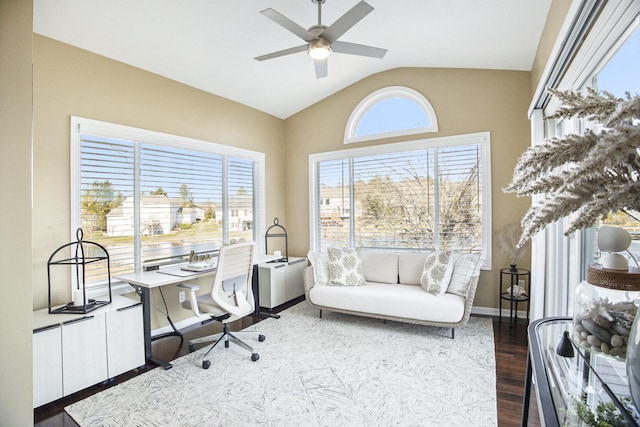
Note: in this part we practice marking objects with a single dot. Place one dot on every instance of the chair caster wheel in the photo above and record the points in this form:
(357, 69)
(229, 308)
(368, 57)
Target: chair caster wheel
(192, 348)
(255, 356)
(226, 344)
(261, 338)
(206, 364)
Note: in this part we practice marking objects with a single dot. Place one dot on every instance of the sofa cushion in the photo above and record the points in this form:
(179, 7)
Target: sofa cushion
(345, 267)
(403, 301)
(465, 267)
(320, 263)
(438, 267)
(381, 267)
(410, 266)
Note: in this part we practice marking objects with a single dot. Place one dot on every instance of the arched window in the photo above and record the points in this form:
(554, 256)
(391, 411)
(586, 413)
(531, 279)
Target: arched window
(390, 111)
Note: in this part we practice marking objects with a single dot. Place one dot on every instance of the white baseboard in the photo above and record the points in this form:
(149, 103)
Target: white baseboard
(491, 311)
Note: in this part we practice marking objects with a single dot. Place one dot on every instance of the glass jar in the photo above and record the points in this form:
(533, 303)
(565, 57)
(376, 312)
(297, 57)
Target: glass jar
(604, 310)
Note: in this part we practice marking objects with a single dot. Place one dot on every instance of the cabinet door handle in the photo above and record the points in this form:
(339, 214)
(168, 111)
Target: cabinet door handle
(297, 261)
(46, 328)
(280, 266)
(82, 319)
(129, 307)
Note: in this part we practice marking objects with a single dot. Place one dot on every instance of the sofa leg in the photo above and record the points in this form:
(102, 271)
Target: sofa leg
(453, 333)
(321, 314)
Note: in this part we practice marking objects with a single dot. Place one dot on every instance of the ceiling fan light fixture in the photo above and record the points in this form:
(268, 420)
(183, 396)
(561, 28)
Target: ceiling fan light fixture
(319, 49)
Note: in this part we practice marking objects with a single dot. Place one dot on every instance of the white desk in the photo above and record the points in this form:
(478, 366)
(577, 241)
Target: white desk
(144, 281)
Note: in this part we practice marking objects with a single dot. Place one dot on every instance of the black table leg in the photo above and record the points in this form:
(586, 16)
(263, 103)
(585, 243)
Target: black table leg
(255, 284)
(145, 298)
(527, 393)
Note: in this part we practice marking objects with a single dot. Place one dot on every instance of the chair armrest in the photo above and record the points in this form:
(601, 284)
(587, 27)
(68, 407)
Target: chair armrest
(193, 299)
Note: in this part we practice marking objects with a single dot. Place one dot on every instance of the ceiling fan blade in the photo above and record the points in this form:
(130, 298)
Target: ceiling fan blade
(346, 21)
(358, 49)
(288, 24)
(321, 67)
(284, 52)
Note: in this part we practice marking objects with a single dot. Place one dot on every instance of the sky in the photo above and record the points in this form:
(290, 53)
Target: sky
(622, 73)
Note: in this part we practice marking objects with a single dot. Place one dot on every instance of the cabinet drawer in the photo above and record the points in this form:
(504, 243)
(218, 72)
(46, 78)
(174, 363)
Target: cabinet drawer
(85, 353)
(47, 365)
(281, 282)
(125, 339)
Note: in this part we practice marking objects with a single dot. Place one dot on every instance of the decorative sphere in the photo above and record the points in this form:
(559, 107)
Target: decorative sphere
(613, 239)
(615, 262)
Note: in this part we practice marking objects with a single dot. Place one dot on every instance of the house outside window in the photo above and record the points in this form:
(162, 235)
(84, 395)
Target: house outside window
(147, 196)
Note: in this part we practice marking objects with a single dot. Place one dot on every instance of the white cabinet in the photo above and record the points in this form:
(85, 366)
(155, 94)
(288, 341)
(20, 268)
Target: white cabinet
(74, 351)
(125, 338)
(281, 282)
(47, 364)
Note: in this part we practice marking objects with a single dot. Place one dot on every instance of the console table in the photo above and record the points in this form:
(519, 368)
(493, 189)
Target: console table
(589, 378)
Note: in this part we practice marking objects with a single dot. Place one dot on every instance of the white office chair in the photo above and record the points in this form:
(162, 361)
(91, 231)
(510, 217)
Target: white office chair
(231, 297)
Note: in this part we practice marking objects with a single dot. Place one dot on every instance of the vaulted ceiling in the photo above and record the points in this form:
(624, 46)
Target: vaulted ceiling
(211, 44)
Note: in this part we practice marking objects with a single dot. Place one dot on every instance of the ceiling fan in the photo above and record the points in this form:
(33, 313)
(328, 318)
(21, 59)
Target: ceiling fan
(322, 40)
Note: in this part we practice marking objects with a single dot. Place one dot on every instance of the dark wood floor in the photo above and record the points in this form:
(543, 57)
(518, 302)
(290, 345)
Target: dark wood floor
(510, 348)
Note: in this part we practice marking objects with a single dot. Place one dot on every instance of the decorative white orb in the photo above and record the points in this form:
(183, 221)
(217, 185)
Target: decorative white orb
(613, 239)
(615, 262)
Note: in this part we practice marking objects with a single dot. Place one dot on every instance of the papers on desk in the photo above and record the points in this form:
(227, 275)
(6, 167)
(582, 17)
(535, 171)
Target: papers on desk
(199, 267)
(181, 271)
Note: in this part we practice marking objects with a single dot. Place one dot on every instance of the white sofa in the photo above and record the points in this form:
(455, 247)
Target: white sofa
(393, 289)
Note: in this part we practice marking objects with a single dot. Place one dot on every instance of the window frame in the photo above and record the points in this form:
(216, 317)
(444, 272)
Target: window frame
(481, 138)
(380, 95)
(592, 32)
(83, 125)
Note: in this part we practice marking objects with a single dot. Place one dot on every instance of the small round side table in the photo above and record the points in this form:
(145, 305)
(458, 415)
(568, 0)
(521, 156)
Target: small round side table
(514, 277)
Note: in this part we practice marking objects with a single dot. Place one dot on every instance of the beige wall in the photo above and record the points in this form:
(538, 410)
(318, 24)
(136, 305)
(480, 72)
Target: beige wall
(465, 101)
(15, 211)
(70, 81)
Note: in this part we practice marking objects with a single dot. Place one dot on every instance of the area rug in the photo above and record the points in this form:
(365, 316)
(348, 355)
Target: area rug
(338, 370)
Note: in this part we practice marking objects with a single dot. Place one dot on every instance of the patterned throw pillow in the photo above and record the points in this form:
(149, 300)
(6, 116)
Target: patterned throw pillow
(345, 267)
(438, 268)
(465, 267)
(320, 263)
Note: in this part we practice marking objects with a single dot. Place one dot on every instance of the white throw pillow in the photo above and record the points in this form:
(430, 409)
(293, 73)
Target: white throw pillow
(380, 267)
(466, 266)
(320, 263)
(410, 267)
(345, 267)
(438, 267)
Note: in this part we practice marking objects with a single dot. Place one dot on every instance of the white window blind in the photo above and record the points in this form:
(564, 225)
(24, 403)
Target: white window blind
(419, 195)
(154, 196)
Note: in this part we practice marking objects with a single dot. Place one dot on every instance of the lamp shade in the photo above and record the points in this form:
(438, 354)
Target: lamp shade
(319, 49)
(613, 239)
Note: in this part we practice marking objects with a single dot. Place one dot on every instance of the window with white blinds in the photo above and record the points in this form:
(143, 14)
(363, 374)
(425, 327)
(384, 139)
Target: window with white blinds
(432, 193)
(147, 196)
